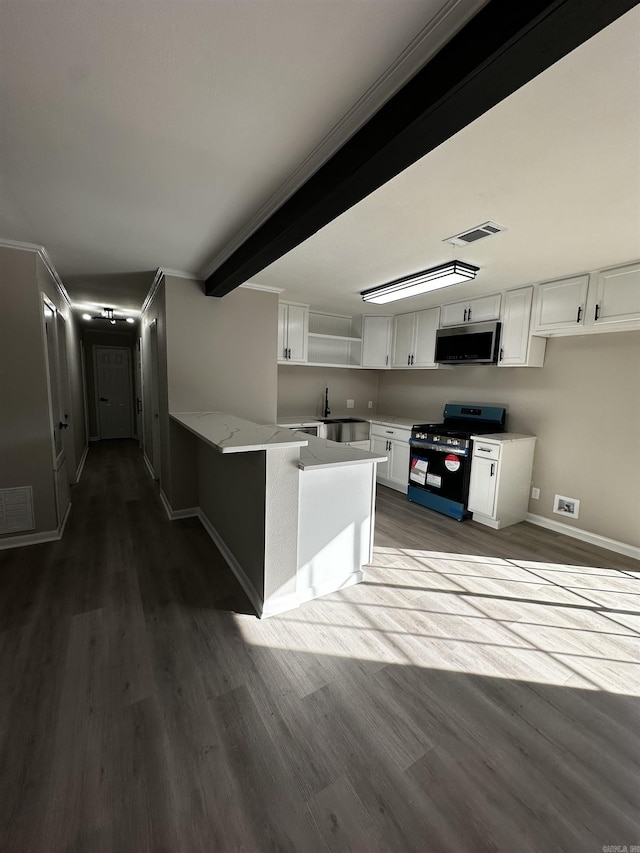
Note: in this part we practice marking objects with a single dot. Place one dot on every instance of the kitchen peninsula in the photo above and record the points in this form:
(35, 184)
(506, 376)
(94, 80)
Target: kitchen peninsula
(292, 514)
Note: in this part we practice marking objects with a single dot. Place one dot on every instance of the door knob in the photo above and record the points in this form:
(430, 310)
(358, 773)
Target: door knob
(62, 425)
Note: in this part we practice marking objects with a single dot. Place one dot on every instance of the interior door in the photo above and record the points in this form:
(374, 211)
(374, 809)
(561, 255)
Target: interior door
(138, 384)
(56, 409)
(113, 391)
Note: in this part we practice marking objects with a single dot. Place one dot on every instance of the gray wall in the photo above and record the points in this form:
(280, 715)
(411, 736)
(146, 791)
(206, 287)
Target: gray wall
(222, 352)
(584, 406)
(301, 390)
(232, 496)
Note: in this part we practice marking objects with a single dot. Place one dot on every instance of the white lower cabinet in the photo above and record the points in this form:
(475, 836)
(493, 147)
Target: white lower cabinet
(392, 442)
(501, 469)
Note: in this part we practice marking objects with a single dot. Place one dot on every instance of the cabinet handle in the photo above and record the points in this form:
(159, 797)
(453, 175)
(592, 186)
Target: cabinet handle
(493, 467)
(386, 360)
(412, 359)
(469, 314)
(464, 320)
(289, 352)
(389, 431)
(597, 313)
(484, 450)
(579, 314)
(501, 353)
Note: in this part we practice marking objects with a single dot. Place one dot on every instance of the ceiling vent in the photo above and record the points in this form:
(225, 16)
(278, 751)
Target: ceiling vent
(473, 234)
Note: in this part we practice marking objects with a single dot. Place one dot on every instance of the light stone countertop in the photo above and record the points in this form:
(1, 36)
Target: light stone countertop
(230, 434)
(298, 421)
(502, 436)
(322, 453)
(394, 420)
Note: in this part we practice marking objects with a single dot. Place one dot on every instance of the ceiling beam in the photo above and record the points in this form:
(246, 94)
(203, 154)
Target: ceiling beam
(499, 50)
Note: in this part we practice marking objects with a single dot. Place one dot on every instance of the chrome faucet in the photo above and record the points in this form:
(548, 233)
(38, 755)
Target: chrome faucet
(326, 411)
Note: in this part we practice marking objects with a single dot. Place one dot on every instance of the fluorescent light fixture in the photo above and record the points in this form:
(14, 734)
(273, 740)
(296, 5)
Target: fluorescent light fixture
(87, 317)
(453, 272)
(130, 320)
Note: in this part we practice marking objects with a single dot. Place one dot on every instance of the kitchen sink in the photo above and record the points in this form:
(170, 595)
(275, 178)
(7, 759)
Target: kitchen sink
(346, 429)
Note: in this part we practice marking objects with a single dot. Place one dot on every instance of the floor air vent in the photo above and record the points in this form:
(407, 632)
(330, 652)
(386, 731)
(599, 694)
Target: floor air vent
(473, 234)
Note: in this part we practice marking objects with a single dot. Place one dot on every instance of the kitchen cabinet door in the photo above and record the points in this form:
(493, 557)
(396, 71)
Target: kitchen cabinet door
(426, 325)
(561, 304)
(399, 464)
(403, 338)
(376, 341)
(454, 314)
(483, 309)
(380, 445)
(482, 488)
(293, 326)
(297, 325)
(518, 348)
(472, 311)
(616, 296)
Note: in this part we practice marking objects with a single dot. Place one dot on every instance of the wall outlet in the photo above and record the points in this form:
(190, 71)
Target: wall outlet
(350, 404)
(566, 506)
(370, 404)
(535, 493)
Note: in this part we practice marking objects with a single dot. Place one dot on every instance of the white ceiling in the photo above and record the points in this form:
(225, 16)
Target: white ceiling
(557, 163)
(144, 134)
(140, 134)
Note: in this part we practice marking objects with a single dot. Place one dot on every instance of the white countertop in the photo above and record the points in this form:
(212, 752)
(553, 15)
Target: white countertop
(322, 453)
(299, 421)
(502, 437)
(394, 420)
(230, 434)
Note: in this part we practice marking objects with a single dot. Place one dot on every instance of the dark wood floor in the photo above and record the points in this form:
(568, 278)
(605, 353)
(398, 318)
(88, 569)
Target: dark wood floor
(478, 692)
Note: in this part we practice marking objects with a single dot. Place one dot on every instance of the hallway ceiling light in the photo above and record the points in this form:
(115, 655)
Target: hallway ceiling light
(108, 314)
(444, 275)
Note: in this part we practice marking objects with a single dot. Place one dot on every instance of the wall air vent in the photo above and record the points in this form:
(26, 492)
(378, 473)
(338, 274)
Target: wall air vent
(473, 234)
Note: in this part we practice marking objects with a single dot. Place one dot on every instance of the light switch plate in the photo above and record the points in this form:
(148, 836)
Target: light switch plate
(350, 404)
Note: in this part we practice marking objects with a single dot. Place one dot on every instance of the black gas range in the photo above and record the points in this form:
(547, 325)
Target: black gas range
(441, 456)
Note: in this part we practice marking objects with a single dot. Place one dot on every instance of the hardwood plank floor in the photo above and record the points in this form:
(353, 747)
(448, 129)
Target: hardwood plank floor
(478, 692)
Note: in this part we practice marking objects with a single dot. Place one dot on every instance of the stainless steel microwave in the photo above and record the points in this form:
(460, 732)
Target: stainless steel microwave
(475, 343)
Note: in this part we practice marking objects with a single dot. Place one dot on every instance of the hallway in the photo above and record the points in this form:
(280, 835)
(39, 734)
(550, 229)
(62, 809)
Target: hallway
(452, 702)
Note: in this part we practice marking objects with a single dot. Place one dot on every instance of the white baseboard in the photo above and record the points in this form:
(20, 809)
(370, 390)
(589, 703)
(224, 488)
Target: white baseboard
(36, 538)
(29, 539)
(252, 593)
(279, 604)
(175, 514)
(585, 536)
(81, 464)
(149, 466)
(326, 589)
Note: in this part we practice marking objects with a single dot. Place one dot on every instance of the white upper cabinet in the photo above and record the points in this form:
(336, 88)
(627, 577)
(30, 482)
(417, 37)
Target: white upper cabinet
(608, 300)
(293, 323)
(614, 296)
(561, 304)
(376, 341)
(425, 340)
(518, 347)
(403, 339)
(414, 339)
(472, 311)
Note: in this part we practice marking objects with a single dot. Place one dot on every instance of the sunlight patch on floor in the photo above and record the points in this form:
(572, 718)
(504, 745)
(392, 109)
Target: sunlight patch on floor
(514, 619)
